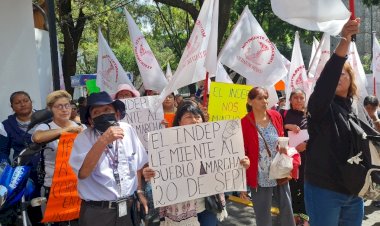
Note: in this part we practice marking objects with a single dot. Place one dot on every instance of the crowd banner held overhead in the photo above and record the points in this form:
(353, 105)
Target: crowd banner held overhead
(151, 73)
(297, 78)
(227, 101)
(191, 67)
(64, 202)
(196, 161)
(109, 71)
(139, 114)
(249, 52)
(327, 16)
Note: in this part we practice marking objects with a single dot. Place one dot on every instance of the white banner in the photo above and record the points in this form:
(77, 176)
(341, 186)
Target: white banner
(151, 73)
(191, 67)
(222, 75)
(139, 115)
(109, 71)
(169, 73)
(297, 78)
(317, 15)
(196, 161)
(322, 55)
(314, 47)
(249, 52)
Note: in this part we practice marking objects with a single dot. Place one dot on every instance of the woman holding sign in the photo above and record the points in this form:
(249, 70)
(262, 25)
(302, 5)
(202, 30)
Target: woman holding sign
(261, 130)
(194, 212)
(295, 121)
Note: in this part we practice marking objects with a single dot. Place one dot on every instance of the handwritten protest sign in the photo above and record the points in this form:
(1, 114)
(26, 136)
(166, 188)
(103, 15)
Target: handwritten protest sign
(64, 202)
(227, 101)
(140, 115)
(196, 161)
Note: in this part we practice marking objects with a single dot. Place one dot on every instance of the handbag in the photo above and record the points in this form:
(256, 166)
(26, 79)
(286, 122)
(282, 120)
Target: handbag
(214, 204)
(280, 181)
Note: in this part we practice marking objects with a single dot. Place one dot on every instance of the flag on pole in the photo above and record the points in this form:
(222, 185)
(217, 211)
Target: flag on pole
(151, 73)
(169, 73)
(191, 67)
(376, 58)
(356, 64)
(327, 16)
(109, 71)
(222, 75)
(322, 55)
(211, 61)
(249, 52)
(314, 47)
(297, 78)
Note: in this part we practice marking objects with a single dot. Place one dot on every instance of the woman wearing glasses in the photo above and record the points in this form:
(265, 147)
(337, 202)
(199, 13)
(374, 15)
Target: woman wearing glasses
(59, 103)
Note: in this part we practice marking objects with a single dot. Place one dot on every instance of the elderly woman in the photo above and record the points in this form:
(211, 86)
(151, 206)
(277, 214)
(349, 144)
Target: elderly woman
(328, 200)
(59, 103)
(261, 129)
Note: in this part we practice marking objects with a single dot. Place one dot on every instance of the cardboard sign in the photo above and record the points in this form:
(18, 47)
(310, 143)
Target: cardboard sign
(64, 202)
(196, 161)
(140, 115)
(227, 101)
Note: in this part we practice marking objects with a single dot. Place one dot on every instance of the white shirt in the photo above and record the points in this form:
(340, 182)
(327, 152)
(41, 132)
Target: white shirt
(101, 184)
(50, 154)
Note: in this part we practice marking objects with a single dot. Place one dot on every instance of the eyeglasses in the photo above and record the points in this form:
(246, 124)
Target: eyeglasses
(62, 106)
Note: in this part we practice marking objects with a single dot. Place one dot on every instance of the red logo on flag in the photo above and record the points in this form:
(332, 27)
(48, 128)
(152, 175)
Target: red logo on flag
(296, 80)
(110, 71)
(144, 56)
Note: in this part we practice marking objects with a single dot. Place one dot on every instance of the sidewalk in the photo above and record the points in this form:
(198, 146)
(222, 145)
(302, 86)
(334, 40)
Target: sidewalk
(239, 215)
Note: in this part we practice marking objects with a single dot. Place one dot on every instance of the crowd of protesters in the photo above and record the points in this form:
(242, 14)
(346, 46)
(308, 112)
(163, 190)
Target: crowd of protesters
(112, 165)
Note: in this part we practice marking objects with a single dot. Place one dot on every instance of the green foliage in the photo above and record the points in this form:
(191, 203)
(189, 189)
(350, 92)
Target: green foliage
(366, 62)
(371, 2)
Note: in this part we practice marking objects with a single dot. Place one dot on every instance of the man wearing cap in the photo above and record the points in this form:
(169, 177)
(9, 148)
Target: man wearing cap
(108, 158)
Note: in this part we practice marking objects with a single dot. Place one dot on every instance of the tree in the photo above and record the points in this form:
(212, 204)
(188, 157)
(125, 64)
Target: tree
(371, 2)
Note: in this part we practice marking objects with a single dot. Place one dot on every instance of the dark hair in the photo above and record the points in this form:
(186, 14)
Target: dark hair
(371, 100)
(81, 100)
(298, 90)
(13, 95)
(187, 106)
(253, 93)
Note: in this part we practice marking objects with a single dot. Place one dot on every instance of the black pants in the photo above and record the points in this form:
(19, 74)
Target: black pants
(91, 215)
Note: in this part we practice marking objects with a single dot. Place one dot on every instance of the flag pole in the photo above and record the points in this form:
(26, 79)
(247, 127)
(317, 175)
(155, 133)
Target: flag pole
(352, 9)
(205, 90)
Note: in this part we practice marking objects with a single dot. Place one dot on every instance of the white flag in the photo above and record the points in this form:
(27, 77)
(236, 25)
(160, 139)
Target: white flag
(376, 58)
(109, 71)
(212, 47)
(297, 78)
(222, 75)
(360, 77)
(321, 57)
(314, 47)
(249, 52)
(168, 74)
(327, 16)
(151, 73)
(191, 67)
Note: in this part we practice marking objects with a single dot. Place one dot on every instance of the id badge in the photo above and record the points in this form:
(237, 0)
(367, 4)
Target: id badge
(122, 208)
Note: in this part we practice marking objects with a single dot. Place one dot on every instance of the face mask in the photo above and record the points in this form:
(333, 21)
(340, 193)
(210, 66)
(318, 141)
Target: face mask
(103, 122)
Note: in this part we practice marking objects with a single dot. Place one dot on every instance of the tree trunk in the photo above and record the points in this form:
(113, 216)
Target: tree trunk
(71, 36)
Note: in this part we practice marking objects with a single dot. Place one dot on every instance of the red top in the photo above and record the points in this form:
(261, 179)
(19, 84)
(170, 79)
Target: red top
(251, 142)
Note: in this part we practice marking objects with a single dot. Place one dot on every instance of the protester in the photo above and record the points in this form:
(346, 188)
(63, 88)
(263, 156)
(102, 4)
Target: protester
(108, 158)
(169, 110)
(15, 137)
(327, 199)
(178, 100)
(150, 92)
(371, 104)
(125, 91)
(295, 120)
(193, 212)
(82, 102)
(261, 129)
(74, 113)
(59, 103)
